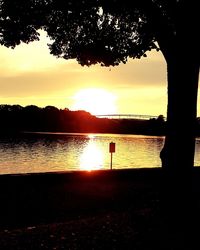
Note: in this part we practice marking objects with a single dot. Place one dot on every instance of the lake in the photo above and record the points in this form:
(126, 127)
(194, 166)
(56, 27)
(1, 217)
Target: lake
(48, 152)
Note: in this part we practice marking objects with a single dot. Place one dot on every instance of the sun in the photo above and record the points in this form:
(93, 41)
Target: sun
(96, 101)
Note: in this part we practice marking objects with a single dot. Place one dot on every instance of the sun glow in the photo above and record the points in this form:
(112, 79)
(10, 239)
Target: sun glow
(92, 157)
(96, 101)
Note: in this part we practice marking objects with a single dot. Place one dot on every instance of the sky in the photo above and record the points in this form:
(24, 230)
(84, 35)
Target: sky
(30, 75)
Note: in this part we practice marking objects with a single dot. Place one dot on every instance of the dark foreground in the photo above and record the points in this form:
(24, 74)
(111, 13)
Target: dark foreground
(119, 209)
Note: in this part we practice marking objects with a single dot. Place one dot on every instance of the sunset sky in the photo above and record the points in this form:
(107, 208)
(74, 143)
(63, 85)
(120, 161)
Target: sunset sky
(30, 75)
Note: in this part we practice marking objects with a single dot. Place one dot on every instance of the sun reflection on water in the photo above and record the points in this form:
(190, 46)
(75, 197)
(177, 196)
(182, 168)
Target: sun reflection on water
(92, 157)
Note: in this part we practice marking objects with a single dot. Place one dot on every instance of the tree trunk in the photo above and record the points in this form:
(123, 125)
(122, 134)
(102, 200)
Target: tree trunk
(181, 52)
(177, 154)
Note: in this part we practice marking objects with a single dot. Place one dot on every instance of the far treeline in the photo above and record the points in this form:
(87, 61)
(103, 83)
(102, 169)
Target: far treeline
(15, 118)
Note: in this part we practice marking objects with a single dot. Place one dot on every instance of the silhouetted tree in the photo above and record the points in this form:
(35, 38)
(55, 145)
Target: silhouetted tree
(108, 32)
(31, 118)
(161, 119)
(157, 125)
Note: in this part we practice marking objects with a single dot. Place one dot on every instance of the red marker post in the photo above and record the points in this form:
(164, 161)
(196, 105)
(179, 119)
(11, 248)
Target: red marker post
(111, 150)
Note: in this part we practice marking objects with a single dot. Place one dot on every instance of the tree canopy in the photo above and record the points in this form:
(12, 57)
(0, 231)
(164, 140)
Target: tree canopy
(51, 119)
(110, 32)
(100, 31)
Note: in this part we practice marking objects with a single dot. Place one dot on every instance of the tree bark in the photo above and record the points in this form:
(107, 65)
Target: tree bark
(178, 151)
(181, 53)
(177, 155)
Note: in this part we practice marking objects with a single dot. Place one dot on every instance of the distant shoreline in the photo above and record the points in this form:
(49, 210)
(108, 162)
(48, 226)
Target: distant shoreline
(15, 133)
(15, 118)
(18, 133)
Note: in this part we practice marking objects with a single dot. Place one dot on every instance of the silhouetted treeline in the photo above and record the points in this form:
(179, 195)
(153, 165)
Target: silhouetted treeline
(15, 118)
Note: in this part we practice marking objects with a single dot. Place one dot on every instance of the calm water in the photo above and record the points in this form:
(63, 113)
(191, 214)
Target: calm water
(60, 152)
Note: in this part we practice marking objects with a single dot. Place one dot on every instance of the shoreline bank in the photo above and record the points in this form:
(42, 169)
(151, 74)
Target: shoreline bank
(102, 209)
(28, 199)
(42, 197)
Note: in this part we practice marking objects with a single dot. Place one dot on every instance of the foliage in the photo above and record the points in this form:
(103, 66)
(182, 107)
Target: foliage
(51, 119)
(110, 32)
(106, 32)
